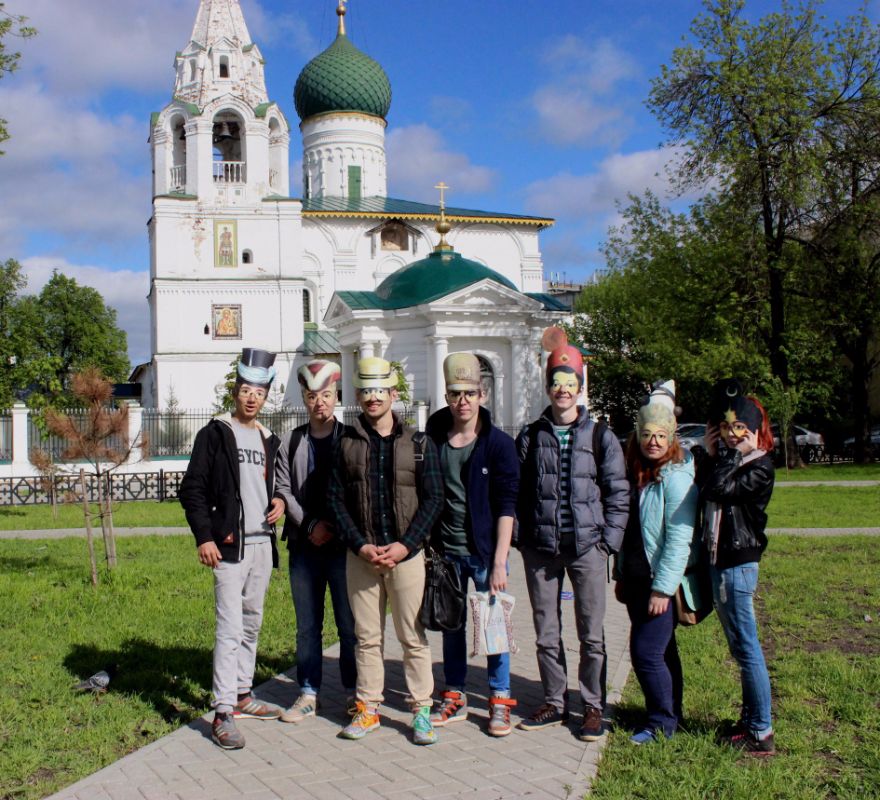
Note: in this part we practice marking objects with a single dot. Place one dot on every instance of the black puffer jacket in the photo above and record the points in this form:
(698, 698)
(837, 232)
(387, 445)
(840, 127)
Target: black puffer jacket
(210, 492)
(600, 503)
(743, 492)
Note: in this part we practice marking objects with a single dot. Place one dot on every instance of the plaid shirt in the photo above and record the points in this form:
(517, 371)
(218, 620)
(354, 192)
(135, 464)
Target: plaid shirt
(381, 480)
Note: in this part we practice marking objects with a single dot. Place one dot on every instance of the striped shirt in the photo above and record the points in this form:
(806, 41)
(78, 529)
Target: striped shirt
(566, 518)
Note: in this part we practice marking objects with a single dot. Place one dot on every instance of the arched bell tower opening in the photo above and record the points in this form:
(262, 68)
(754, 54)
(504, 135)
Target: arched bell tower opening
(177, 179)
(229, 148)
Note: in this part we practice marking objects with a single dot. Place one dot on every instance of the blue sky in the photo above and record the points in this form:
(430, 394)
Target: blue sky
(524, 106)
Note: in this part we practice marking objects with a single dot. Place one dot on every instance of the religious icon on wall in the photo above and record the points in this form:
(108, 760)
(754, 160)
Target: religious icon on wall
(226, 321)
(225, 243)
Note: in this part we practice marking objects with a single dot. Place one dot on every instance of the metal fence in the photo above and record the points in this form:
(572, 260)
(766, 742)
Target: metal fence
(41, 439)
(5, 436)
(172, 433)
(161, 485)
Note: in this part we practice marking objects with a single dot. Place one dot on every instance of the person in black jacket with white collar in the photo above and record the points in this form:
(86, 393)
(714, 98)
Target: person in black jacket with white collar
(317, 555)
(736, 483)
(226, 496)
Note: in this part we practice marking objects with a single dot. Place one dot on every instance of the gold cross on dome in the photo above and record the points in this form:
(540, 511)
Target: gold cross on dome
(442, 187)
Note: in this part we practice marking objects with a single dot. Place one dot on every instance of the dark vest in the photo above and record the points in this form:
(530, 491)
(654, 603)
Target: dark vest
(355, 450)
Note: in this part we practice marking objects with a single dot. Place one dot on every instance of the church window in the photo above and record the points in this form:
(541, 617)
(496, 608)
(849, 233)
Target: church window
(307, 305)
(354, 183)
(247, 257)
(487, 378)
(395, 237)
(192, 70)
(224, 66)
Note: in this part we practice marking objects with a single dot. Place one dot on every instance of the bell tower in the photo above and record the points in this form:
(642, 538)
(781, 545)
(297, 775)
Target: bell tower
(225, 236)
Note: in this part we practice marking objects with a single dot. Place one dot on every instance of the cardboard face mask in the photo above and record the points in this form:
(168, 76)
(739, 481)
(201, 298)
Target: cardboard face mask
(564, 381)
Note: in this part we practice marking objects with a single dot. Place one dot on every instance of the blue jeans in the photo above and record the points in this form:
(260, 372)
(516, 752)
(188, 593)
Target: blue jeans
(455, 642)
(311, 572)
(733, 589)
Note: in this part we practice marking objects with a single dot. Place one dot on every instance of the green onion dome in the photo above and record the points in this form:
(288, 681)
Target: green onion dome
(342, 78)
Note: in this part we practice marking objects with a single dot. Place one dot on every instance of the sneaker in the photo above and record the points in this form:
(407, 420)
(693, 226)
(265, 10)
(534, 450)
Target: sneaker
(453, 708)
(544, 717)
(751, 744)
(423, 729)
(645, 736)
(592, 729)
(305, 706)
(225, 734)
(499, 715)
(366, 719)
(251, 708)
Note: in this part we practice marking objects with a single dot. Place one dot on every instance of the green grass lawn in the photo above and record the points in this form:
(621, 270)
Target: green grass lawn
(824, 507)
(831, 472)
(824, 662)
(134, 514)
(153, 617)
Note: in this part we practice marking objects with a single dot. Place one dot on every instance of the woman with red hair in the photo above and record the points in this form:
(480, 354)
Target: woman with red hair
(736, 486)
(657, 547)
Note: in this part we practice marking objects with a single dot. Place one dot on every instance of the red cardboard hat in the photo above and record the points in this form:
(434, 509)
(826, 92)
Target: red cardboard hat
(562, 354)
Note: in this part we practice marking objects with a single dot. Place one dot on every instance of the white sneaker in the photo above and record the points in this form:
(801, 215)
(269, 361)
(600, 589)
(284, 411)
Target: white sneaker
(305, 706)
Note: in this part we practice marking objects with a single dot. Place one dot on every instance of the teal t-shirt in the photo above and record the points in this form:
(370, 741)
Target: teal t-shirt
(452, 523)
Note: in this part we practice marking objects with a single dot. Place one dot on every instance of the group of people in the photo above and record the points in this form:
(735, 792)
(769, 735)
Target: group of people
(360, 502)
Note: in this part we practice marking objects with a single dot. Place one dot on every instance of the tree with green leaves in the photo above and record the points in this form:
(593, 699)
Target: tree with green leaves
(754, 108)
(10, 25)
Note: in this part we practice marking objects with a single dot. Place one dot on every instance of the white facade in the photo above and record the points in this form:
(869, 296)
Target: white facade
(236, 262)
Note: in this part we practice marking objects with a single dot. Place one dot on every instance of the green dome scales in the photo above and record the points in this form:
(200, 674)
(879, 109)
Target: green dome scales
(342, 78)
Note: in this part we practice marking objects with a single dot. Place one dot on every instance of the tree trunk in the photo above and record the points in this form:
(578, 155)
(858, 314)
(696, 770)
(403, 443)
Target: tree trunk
(87, 515)
(106, 524)
(860, 380)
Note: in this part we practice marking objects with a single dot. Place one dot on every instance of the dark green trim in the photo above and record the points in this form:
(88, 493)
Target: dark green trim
(176, 196)
(191, 107)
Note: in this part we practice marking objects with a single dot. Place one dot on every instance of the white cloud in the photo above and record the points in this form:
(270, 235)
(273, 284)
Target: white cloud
(594, 195)
(124, 290)
(580, 103)
(418, 158)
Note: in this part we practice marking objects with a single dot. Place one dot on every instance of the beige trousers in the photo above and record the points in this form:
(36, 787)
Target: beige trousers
(369, 590)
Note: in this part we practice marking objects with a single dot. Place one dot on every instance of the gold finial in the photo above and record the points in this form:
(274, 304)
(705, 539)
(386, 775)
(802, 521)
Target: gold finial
(442, 227)
(340, 12)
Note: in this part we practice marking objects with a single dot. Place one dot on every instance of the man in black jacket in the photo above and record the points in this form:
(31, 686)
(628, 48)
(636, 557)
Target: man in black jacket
(226, 496)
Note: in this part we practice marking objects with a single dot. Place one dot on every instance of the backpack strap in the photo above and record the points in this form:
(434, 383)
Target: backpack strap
(598, 451)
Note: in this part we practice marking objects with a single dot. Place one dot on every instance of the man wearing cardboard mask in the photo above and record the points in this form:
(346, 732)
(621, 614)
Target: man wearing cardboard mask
(385, 496)
(572, 512)
(226, 496)
(317, 556)
(481, 480)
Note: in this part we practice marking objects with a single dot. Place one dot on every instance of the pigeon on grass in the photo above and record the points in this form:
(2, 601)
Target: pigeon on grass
(97, 683)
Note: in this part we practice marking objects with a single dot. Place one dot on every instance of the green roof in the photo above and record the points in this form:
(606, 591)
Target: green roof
(549, 301)
(422, 281)
(342, 78)
(384, 207)
(318, 342)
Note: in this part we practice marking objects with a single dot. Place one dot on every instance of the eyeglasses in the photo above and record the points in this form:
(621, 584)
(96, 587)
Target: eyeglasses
(456, 394)
(738, 429)
(660, 437)
(257, 394)
(378, 391)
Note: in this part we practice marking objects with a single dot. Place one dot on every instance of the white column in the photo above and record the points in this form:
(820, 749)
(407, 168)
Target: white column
(347, 367)
(135, 424)
(21, 465)
(439, 351)
(501, 401)
(367, 349)
(521, 408)
(421, 410)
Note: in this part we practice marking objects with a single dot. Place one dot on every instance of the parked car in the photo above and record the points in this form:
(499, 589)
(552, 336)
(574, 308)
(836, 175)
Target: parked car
(873, 441)
(692, 436)
(809, 442)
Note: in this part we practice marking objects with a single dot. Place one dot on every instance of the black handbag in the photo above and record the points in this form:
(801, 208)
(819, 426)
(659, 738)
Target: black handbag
(443, 603)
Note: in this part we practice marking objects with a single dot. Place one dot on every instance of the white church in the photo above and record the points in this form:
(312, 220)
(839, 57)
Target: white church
(343, 271)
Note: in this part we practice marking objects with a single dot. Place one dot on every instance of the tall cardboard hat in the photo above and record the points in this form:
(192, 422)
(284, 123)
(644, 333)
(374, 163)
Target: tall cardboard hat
(461, 371)
(730, 403)
(659, 408)
(373, 373)
(255, 367)
(562, 354)
(318, 374)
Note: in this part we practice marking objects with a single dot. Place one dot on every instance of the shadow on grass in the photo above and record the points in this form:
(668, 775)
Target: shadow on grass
(175, 681)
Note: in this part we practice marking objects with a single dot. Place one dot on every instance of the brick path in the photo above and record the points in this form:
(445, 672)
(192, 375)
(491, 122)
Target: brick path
(309, 761)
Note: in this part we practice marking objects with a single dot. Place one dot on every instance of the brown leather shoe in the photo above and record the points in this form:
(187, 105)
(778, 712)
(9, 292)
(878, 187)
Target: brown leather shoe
(592, 729)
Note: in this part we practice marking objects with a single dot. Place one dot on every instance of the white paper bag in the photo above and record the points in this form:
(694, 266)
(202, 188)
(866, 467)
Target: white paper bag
(491, 623)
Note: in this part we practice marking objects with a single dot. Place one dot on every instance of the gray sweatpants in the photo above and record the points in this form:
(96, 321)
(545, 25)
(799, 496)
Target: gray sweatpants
(588, 576)
(239, 591)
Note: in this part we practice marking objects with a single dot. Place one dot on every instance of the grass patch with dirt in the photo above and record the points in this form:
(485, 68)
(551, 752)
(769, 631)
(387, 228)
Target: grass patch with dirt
(814, 598)
(153, 617)
(831, 472)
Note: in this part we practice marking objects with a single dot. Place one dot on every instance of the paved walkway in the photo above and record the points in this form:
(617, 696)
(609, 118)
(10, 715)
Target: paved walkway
(309, 761)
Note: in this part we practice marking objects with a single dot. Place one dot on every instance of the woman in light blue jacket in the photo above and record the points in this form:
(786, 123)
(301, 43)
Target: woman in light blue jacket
(657, 547)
